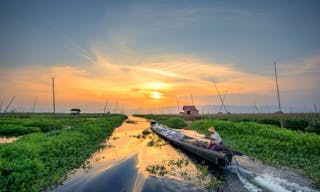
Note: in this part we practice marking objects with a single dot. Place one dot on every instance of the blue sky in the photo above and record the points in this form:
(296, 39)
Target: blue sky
(247, 35)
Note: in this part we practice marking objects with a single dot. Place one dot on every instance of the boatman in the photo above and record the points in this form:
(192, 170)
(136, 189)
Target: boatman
(216, 143)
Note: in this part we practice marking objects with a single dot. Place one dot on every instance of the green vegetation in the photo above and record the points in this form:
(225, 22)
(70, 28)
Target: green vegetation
(169, 167)
(146, 132)
(15, 124)
(157, 169)
(314, 127)
(210, 182)
(173, 121)
(40, 160)
(259, 136)
(303, 122)
(176, 122)
(131, 121)
(180, 167)
(16, 130)
(269, 143)
(155, 141)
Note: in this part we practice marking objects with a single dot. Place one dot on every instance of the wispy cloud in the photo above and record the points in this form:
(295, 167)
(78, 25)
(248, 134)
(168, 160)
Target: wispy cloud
(171, 75)
(306, 65)
(167, 17)
(72, 46)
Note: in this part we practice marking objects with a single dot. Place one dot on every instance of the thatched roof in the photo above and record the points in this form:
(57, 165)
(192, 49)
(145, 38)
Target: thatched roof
(189, 108)
(77, 110)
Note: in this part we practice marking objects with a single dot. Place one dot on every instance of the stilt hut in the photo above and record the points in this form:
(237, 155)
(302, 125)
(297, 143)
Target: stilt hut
(190, 112)
(75, 111)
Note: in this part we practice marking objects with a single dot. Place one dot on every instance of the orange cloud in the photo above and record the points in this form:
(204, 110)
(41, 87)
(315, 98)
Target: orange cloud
(155, 82)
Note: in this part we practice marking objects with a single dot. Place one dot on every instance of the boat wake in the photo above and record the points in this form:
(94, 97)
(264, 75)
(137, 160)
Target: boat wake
(261, 177)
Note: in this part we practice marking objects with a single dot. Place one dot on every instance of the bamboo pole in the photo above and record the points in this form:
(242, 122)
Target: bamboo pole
(105, 107)
(9, 104)
(34, 104)
(53, 97)
(254, 104)
(226, 101)
(278, 95)
(1, 105)
(222, 102)
(224, 96)
(276, 74)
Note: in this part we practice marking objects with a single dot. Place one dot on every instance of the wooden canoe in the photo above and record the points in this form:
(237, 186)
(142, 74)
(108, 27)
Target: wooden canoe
(218, 158)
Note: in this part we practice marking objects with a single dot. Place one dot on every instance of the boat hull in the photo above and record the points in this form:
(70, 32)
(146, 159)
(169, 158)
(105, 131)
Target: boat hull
(217, 158)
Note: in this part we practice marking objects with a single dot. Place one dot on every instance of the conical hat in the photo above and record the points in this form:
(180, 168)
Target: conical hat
(211, 129)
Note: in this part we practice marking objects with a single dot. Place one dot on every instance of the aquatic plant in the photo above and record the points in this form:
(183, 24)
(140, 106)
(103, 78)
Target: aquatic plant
(155, 141)
(21, 124)
(302, 121)
(161, 169)
(179, 168)
(314, 127)
(215, 184)
(16, 130)
(150, 143)
(209, 180)
(146, 132)
(157, 169)
(131, 121)
(176, 122)
(40, 160)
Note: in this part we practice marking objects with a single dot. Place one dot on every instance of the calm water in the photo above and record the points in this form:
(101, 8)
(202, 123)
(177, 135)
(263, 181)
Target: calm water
(8, 139)
(128, 160)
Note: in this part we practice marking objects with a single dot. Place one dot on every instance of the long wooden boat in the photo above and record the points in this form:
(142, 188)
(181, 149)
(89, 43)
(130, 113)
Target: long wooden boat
(218, 158)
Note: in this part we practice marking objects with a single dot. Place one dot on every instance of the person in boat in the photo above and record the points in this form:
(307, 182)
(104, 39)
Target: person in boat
(216, 143)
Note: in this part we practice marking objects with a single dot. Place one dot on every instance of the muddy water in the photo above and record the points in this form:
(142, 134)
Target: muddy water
(131, 162)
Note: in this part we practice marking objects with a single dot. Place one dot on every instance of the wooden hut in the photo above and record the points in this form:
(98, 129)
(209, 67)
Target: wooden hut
(189, 112)
(75, 111)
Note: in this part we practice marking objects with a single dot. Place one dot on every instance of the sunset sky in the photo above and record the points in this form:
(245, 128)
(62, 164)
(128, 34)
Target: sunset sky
(147, 56)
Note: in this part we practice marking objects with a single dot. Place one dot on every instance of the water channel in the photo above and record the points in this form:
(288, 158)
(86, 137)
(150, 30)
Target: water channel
(131, 161)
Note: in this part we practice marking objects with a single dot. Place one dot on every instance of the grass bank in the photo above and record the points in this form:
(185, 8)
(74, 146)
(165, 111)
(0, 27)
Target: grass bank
(271, 144)
(42, 159)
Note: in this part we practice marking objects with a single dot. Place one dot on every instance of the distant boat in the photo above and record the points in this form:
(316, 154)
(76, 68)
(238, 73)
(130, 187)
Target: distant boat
(196, 147)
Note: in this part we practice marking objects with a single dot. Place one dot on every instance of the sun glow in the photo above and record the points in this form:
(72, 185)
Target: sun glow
(156, 85)
(155, 95)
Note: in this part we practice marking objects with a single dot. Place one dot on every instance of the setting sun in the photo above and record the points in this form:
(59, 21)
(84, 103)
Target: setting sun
(155, 95)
